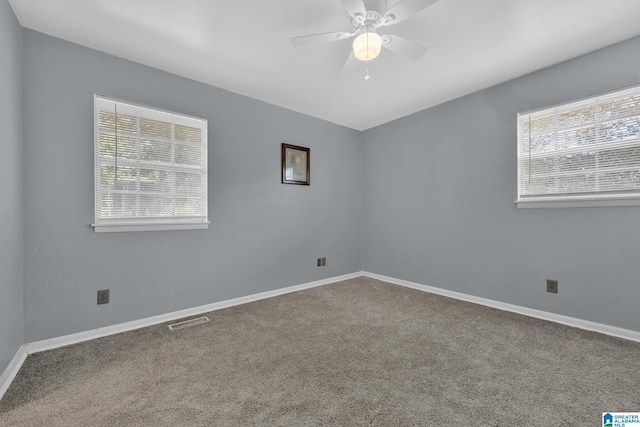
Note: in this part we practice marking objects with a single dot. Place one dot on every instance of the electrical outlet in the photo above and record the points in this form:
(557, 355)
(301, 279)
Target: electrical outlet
(319, 262)
(103, 296)
(324, 261)
(552, 286)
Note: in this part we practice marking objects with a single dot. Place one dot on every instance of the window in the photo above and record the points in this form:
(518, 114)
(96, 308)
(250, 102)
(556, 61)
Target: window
(584, 153)
(150, 168)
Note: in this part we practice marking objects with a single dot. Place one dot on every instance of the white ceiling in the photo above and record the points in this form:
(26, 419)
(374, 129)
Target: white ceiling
(244, 46)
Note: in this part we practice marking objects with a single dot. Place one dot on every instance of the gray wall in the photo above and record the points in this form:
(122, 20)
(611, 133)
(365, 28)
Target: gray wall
(11, 265)
(263, 235)
(430, 201)
(439, 191)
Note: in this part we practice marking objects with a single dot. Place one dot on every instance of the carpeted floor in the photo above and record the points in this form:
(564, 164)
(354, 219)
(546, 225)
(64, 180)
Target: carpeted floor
(358, 352)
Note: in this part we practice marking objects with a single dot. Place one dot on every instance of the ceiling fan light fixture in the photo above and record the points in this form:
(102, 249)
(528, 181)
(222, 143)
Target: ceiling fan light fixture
(367, 46)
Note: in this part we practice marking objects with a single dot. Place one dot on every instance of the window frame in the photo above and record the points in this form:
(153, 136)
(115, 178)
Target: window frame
(158, 223)
(594, 199)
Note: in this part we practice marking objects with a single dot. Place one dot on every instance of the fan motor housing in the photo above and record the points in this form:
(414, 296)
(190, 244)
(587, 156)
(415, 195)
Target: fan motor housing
(372, 19)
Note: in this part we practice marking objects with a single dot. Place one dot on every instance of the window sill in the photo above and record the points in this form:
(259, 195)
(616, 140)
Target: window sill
(578, 202)
(124, 227)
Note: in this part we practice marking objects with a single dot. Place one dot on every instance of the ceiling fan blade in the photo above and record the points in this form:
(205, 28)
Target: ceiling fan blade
(404, 9)
(319, 38)
(350, 65)
(402, 46)
(354, 7)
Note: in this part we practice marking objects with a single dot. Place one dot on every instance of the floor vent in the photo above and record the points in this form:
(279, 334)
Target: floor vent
(187, 323)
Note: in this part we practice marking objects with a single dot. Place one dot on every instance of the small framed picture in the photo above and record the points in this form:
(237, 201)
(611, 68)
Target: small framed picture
(296, 164)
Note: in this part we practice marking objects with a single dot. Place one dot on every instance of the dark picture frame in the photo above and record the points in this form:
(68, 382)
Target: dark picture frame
(296, 165)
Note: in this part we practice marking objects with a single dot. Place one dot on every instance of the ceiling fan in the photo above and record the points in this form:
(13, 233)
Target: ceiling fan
(366, 20)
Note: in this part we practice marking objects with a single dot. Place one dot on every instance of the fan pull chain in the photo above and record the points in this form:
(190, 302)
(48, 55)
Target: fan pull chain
(366, 77)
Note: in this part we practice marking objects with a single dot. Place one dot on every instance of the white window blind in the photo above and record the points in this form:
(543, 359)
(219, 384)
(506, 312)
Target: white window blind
(150, 168)
(584, 153)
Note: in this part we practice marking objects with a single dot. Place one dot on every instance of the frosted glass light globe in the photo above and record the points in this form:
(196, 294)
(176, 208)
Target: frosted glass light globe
(367, 46)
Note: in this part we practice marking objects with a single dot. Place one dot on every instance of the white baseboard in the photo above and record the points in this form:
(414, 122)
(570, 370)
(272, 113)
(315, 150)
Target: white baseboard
(34, 347)
(544, 315)
(49, 344)
(12, 370)
(10, 373)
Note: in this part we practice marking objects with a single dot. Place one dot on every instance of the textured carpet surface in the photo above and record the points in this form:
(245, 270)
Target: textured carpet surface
(358, 352)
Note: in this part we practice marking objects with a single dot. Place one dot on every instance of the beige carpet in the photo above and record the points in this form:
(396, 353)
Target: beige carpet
(358, 352)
